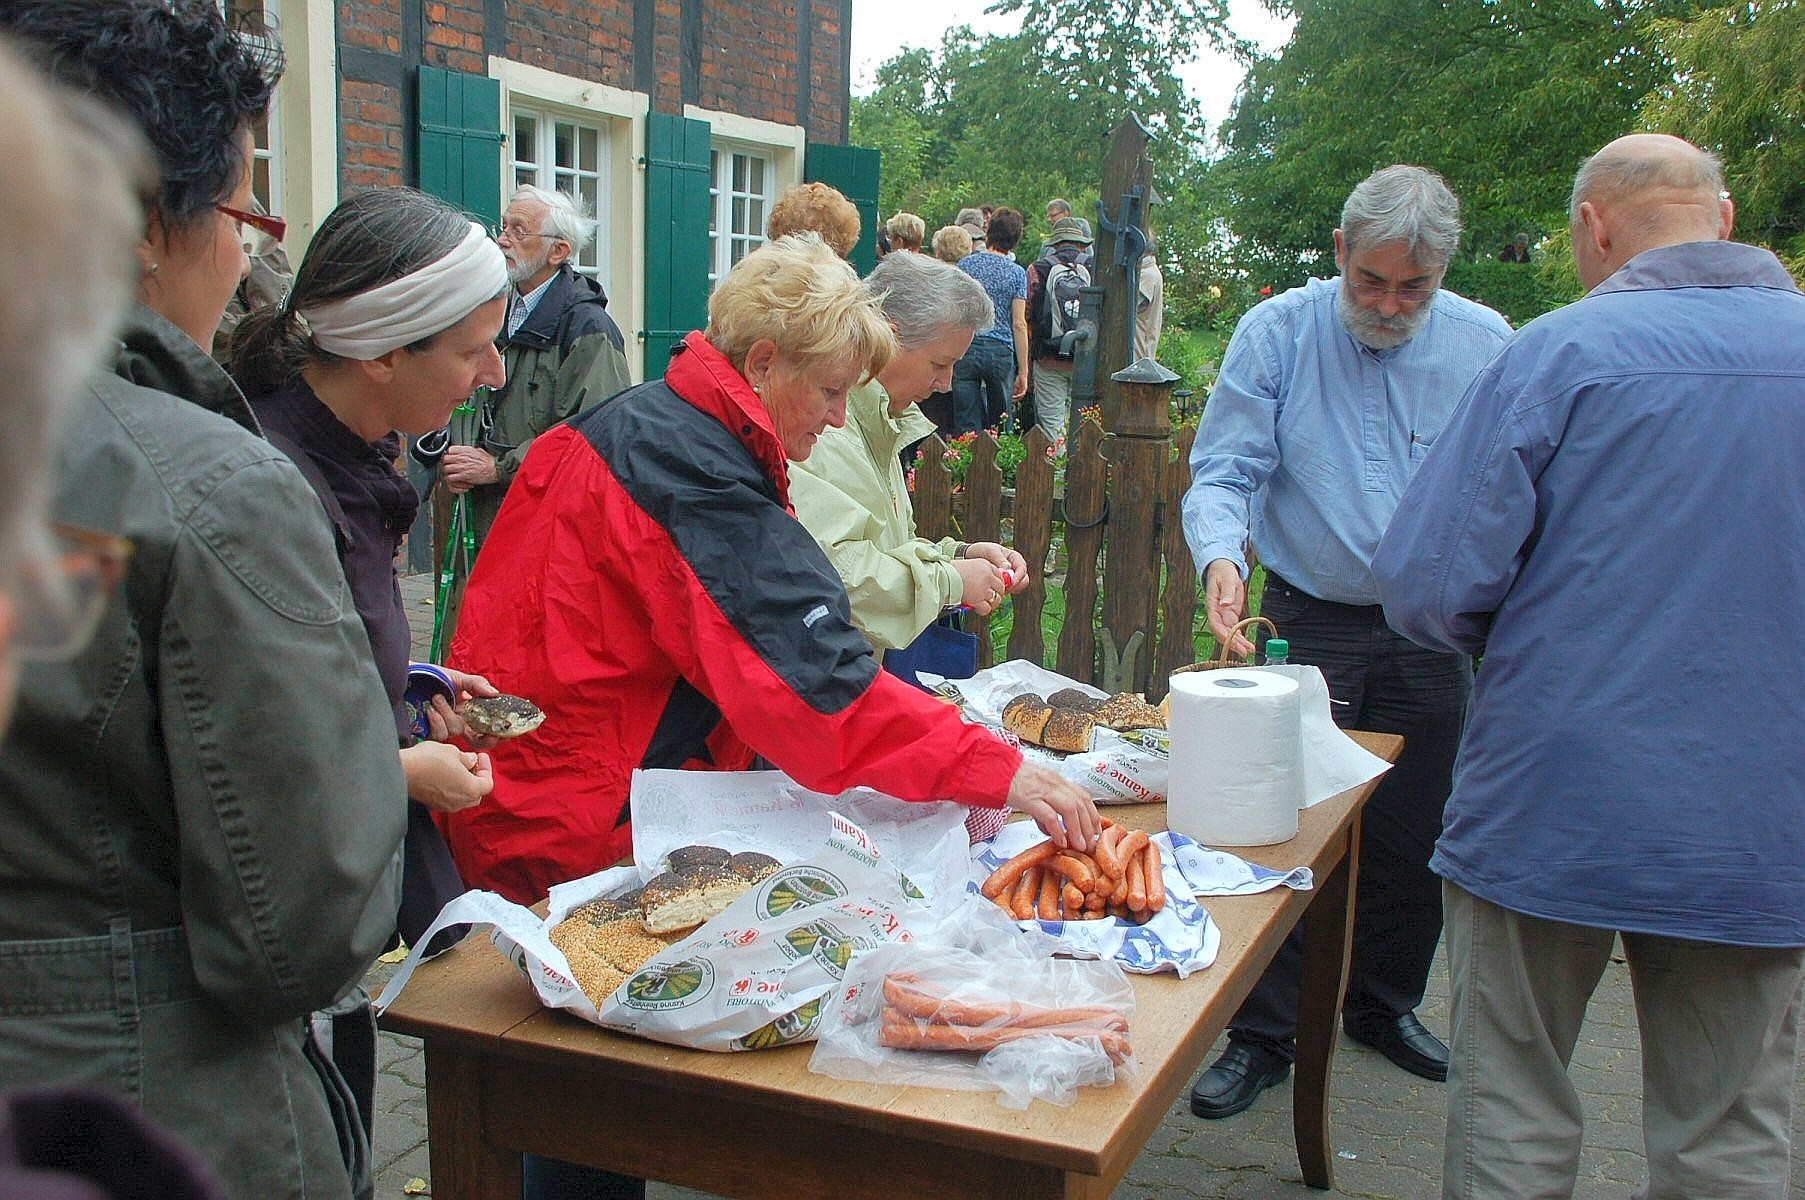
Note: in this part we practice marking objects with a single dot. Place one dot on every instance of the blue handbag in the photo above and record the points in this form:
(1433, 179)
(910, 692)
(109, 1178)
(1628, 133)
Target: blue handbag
(943, 648)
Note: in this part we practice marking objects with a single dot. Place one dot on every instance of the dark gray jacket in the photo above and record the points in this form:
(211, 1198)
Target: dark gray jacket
(202, 811)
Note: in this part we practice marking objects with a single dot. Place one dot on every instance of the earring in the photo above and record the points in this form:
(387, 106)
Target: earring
(152, 269)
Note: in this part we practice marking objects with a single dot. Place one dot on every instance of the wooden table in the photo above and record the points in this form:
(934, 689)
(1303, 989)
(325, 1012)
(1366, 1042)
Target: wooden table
(505, 1075)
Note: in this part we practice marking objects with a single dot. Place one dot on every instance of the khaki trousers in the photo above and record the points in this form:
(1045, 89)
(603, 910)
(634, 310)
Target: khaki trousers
(1720, 1040)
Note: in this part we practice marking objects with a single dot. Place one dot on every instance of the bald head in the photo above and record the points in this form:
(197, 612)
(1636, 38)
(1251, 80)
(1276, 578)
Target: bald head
(1643, 191)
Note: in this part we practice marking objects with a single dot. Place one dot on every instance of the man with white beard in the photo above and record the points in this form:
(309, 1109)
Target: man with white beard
(562, 351)
(1328, 397)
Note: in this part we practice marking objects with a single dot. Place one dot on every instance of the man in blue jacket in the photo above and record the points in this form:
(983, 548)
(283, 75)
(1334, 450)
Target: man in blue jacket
(1327, 398)
(1615, 516)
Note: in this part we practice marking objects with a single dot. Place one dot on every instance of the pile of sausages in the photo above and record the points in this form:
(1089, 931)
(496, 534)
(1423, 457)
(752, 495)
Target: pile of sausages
(919, 1016)
(1123, 877)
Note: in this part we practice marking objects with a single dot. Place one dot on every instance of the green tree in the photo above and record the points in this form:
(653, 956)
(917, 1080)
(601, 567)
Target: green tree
(1738, 88)
(1503, 97)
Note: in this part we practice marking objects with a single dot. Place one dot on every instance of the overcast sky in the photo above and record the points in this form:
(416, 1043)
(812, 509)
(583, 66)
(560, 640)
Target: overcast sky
(880, 28)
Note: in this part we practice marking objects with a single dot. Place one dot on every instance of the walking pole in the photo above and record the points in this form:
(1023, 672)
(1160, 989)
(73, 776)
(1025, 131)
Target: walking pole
(454, 543)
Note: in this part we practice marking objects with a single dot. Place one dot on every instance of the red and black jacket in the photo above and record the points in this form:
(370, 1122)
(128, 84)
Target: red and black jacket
(647, 586)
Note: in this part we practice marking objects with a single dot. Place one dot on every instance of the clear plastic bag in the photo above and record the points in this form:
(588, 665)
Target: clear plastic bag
(980, 1007)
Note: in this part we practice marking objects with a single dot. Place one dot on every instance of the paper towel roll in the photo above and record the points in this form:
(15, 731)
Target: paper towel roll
(1237, 773)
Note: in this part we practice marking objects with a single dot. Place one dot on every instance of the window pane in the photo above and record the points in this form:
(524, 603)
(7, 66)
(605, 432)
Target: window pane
(563, 145)
(739, 172)
(586, 145)
(526, 139)
(756, 173)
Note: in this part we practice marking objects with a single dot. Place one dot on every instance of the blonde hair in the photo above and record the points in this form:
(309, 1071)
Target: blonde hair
(817, 208)
(906, 230)
(796, 293)
(952, 243)
(73, 193)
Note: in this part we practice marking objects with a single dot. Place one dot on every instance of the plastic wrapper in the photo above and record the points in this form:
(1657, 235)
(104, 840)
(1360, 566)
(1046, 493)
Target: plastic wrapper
(1121, 766)
(978, 1007)
(755, 976)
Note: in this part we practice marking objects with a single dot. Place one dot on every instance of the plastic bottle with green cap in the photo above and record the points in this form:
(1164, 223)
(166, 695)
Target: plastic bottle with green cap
(1278, 652)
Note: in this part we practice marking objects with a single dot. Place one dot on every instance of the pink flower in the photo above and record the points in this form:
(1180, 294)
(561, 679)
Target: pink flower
(1267, 290)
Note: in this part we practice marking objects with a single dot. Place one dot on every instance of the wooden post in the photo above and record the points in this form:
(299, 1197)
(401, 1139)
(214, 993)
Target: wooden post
(1127, 172)
(1138, 453)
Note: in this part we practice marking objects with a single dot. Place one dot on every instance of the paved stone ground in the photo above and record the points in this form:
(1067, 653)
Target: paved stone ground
(1387, 1124)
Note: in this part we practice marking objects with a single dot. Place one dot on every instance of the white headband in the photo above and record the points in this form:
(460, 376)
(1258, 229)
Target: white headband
(404, 310)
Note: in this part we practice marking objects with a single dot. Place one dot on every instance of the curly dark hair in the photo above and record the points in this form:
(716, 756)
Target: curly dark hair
(189, 82)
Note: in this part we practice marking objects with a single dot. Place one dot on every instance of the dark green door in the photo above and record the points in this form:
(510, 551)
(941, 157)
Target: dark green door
(677, 204)
(854, 170)
(460, 141)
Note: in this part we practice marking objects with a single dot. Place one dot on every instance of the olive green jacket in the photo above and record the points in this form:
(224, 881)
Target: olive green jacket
(203, 810)
(566, 357)
(852, 495)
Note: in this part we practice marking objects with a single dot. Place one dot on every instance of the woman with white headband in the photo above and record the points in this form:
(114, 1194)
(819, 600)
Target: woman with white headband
(390, 324)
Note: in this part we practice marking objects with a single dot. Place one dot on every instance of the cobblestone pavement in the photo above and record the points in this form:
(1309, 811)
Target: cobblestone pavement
(1387, 1124)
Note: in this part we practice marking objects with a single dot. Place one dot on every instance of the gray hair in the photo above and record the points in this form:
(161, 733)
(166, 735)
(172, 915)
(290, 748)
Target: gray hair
(72, 194)
(922, 297)
(1061, 207)
(565, 216)
(1404, 204)
(1621, 171)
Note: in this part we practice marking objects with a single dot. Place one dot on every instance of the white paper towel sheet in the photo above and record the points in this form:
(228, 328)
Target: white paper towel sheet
(1250, 747)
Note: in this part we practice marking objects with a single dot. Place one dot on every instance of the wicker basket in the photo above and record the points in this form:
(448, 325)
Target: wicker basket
(1222, 658)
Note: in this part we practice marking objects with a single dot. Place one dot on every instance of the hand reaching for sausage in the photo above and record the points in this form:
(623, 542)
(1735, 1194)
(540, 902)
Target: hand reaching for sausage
(445, 778)
(1060, 807)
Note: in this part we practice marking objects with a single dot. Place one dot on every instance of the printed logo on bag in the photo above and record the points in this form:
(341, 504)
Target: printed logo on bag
(799, 887)
(826, 944)
(670, 985)
(793, 1026)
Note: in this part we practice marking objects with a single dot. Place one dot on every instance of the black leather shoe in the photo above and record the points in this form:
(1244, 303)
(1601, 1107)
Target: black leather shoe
(1404, 1041)
(1235, 1079)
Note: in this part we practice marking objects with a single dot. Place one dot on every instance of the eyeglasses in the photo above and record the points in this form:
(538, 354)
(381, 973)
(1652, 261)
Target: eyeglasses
(61, 598)
(267, 231)
(517, 233)
(1374, 291)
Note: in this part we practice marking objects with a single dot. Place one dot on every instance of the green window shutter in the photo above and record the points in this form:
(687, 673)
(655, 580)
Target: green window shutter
(460, 141)
(854, 170)
(677, 179)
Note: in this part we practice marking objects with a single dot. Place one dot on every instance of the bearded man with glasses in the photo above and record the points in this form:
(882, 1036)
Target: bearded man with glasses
(562, 352)
(1328, 397)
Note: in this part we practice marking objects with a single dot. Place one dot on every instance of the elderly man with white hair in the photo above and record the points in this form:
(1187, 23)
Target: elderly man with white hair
(1327, 399)
(562, 351)
(1628, 460)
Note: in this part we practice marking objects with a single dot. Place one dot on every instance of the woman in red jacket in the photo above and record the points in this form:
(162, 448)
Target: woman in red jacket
(647, 585)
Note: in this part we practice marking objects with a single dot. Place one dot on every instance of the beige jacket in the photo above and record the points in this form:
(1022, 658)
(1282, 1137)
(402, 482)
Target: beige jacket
(853, 497)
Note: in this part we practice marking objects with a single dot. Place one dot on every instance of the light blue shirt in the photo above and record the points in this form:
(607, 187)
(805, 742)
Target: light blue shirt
(524, 305)
(1309, 436)
(1617, 516)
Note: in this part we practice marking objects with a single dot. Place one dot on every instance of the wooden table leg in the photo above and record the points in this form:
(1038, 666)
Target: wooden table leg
(1328, 936)
(464, 1165)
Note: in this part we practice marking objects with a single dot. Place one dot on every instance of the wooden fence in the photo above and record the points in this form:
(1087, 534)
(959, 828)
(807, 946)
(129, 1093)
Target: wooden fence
(1129, 585)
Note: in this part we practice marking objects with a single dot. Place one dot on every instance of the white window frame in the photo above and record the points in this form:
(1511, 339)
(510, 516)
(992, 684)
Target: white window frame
(269, 152)
(541, 169)
(729, 240)
(621, 202)
(781, 147)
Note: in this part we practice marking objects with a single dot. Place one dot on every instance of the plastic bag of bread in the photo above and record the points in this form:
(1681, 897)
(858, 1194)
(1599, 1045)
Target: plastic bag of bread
(979, 1007)
(1114, 747)
(751, 977)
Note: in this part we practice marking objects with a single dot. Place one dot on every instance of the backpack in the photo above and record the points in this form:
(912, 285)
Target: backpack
(1063, 282)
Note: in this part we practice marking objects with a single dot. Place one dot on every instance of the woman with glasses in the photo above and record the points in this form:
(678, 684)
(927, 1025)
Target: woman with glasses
(202, 805)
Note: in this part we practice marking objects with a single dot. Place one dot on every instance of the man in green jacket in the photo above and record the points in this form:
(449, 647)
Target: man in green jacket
(562, 350)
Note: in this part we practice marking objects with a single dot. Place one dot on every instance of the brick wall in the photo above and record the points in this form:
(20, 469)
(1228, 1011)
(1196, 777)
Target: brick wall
(739, 56)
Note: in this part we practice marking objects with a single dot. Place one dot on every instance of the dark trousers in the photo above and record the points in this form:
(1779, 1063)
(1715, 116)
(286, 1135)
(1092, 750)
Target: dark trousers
(1389, 685)
(983, 385)
(549, 1179)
